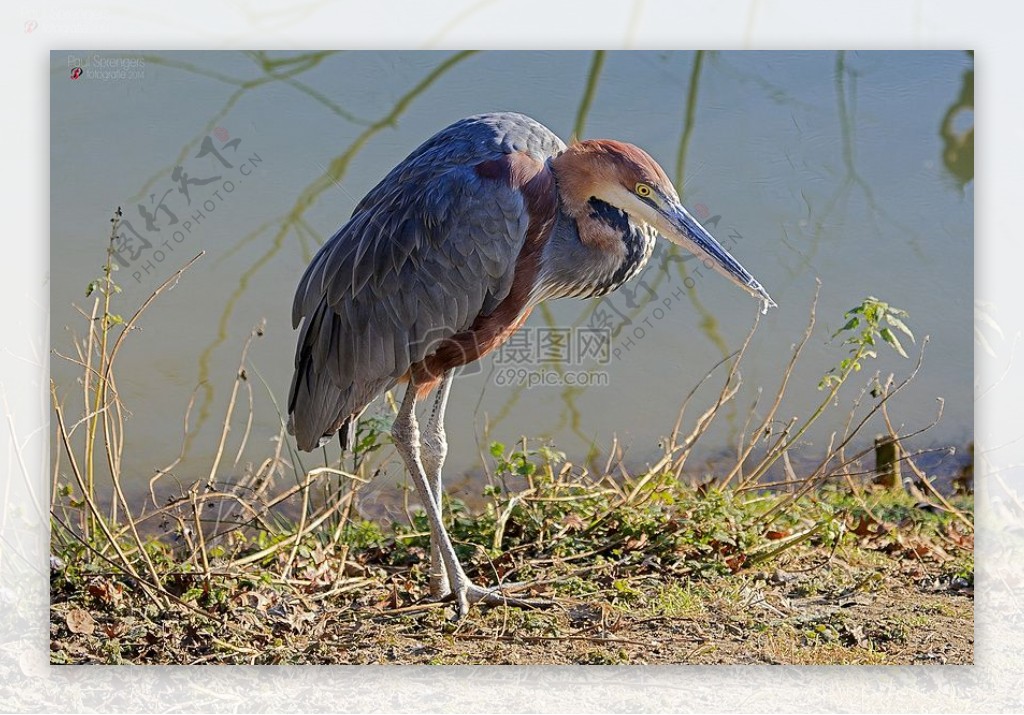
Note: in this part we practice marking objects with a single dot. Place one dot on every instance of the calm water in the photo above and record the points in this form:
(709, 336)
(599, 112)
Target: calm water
(805, 165)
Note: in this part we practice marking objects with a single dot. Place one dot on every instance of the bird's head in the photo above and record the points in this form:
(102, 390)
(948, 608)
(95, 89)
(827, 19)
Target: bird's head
(626, 177)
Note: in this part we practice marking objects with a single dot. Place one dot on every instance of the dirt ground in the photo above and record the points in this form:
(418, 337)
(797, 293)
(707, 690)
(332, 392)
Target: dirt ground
(861, 608)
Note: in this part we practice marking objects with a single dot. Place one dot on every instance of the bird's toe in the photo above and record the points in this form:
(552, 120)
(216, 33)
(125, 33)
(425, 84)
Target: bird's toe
(499, 596)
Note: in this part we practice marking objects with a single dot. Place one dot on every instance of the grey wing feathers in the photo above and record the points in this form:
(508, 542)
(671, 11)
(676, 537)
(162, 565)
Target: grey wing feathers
(428, 249)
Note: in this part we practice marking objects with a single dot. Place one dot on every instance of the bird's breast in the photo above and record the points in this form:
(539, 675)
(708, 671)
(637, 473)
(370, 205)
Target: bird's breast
(592, 254)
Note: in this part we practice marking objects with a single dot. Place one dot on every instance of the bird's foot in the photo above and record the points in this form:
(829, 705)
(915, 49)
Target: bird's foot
(470, 593)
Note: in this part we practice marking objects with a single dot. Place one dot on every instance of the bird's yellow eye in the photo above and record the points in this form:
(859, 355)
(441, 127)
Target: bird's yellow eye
(642, 190)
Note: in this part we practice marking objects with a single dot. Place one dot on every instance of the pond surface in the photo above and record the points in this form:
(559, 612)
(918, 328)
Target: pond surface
(851, 168)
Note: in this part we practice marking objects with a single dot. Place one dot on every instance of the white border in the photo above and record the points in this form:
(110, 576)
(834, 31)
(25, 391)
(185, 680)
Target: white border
(991, 28)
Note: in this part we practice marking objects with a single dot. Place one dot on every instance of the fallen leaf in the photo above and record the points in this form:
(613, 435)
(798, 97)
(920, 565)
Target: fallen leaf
(868, 526)
(635, 543)
(113, 630)
(252, 599)
(736, 562)
(964, 541)
(79, 621)
(354, 569)
(107, 592)
(572, 522)
(504, 564)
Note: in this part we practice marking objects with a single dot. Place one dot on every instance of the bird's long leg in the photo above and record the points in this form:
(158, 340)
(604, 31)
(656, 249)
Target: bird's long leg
(434, 449)
(406, 434)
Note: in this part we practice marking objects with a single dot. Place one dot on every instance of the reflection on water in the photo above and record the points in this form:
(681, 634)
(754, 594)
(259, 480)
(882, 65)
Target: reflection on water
(804, 165)
(958, 139)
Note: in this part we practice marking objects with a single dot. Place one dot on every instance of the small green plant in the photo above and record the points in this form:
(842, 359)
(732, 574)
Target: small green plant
(523, 462)
(106, 288)
(866, 324)
(370, 434)
(677, 600)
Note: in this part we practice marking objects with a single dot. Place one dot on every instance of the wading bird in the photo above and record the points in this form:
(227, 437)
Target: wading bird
(445, 258)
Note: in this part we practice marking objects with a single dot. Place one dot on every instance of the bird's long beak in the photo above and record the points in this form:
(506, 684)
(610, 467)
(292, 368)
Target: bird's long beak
(682, 229)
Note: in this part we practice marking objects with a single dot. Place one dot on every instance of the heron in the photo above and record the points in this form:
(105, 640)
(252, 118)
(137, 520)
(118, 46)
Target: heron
(443, 260)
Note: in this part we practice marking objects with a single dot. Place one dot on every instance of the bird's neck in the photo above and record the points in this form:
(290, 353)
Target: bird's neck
(592, 252)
